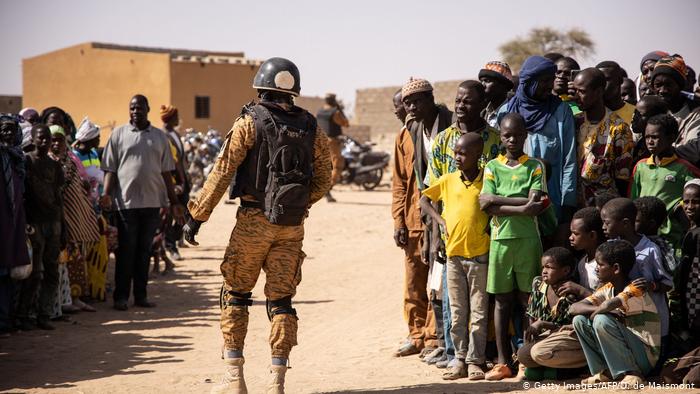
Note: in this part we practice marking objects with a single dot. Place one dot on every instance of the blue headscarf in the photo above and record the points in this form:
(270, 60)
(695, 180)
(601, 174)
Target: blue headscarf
(535, 112)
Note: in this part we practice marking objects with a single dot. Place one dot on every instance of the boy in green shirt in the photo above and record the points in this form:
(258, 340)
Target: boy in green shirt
(513, 187)
(663, 175)
(467, 246)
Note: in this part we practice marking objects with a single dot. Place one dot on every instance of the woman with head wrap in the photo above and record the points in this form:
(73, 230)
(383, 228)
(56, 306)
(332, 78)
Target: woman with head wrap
(551, 131)
(80, 223)
(29, 115)
(57, 116)
(87, 139)
(13, 242)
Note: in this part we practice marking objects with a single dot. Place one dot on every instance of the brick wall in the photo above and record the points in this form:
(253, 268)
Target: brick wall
(374, 106)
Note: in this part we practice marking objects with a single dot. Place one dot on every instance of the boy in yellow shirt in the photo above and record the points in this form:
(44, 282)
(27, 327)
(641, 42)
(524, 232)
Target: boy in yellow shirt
(467, 247)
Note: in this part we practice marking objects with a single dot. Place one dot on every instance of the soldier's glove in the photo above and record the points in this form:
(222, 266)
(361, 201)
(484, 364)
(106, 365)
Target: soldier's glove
(190, 229)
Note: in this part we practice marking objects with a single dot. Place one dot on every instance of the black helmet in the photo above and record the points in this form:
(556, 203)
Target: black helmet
(278, 74)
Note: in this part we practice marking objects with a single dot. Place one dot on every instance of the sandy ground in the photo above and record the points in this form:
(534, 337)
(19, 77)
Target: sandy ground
(349, 304)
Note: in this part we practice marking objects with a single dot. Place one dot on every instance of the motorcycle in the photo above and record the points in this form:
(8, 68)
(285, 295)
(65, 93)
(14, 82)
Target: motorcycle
(363, 166)
(201, 154)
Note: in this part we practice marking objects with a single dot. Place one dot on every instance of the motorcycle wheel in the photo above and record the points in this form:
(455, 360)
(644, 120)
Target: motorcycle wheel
(373, 179)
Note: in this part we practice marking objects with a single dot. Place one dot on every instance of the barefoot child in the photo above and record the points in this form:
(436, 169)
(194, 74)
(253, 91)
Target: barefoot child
(513, 186)
(618, 325)
(467, 246)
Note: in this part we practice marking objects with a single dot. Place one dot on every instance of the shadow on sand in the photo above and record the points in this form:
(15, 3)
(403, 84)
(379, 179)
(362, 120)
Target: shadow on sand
(442, 388)
(110, 342)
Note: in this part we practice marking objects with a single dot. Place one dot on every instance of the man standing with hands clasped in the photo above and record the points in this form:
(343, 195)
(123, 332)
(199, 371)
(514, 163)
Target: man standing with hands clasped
(137, 163)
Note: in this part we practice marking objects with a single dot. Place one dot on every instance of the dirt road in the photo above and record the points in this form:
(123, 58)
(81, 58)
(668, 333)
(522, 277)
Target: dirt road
(349, 304)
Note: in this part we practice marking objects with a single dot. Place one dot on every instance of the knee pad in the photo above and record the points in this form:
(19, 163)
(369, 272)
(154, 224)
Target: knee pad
(279, 307)
(232, 298)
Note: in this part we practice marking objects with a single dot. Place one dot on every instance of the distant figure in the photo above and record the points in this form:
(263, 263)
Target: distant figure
(332, 120)
(399, 109)
(173, 231)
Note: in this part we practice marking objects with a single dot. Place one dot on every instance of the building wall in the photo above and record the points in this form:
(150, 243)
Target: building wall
(374, 106)
(96, 82)
(227, 85)
(10, 104)
(309, 103)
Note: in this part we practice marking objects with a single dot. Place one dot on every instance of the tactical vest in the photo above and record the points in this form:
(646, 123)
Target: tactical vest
(277, 171)
(325, 120)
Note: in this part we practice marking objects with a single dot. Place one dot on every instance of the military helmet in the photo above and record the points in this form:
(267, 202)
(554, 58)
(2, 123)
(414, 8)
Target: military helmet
(278, 74)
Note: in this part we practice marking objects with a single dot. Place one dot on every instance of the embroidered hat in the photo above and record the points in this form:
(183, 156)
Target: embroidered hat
(498, 70)
(414, 86)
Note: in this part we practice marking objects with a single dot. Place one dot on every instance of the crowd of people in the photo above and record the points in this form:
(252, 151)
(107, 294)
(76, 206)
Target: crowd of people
(66, 204)
(550, 223)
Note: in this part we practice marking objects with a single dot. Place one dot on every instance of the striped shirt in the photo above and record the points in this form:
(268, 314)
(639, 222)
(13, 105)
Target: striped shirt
(79, 217)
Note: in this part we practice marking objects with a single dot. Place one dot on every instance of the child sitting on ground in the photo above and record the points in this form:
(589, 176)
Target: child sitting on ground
(550, 341)
(467, 246)
(513, 187)
(619, 216)
(618, 325)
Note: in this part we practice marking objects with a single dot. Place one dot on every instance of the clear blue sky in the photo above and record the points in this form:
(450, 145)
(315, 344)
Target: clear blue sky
(341, 46)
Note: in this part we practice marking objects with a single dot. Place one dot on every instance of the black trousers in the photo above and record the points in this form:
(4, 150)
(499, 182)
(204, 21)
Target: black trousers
(38, 293)
(136, 227)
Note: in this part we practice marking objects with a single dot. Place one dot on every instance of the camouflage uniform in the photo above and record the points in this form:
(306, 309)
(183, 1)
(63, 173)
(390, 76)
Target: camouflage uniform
(256, 243)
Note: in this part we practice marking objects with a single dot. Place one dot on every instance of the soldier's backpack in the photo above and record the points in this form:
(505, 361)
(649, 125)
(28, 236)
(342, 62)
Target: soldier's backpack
(283, 162)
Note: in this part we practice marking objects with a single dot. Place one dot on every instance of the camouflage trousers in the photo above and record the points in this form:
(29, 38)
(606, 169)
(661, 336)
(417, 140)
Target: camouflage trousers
(256, 244)
(335, 146)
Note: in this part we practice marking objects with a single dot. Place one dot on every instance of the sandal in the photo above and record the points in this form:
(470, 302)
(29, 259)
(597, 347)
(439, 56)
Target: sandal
(595, 379)
(474, 372)
(499, 372)
(457, 371)
(407, 349)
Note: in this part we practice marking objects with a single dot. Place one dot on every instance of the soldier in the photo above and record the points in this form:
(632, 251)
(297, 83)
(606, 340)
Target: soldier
(282, 166)
(332, 120)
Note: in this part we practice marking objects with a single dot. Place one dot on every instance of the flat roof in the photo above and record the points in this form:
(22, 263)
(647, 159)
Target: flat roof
(174, 52)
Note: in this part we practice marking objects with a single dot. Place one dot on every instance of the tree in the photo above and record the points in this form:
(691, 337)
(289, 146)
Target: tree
(575, 43)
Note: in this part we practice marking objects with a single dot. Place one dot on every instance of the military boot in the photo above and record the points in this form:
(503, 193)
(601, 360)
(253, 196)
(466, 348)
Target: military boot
(233, 381)
(276, 385)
